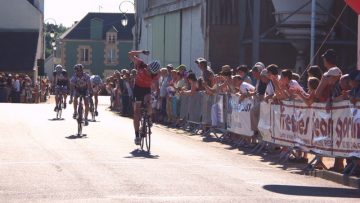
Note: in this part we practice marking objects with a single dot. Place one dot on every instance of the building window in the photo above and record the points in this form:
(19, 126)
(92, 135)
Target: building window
(111, 56)
(84, 55)
(111, 38)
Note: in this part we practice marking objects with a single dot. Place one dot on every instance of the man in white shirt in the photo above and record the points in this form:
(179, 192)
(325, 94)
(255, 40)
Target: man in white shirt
(288, 86)
(245, 89)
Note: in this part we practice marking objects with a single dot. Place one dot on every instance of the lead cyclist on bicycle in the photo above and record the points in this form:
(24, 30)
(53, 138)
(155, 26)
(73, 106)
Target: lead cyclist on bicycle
(146, 75)
(61, 84)
(80, 85)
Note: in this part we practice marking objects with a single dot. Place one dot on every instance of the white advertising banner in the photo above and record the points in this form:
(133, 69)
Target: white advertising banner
(238, 117)
(265, 124)
(330, 131)
(346, 129)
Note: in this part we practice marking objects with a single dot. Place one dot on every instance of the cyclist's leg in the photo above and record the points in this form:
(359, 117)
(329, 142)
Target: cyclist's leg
(65, 90)
(56, 97)
(96, 102)
(147, 102)
(136, 119)
(86, 104)
(75, 103)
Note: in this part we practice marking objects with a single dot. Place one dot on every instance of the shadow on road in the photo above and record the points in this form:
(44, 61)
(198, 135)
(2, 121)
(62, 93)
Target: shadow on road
(137, 153)
(72, 137)
(313, 191)
(56, 119)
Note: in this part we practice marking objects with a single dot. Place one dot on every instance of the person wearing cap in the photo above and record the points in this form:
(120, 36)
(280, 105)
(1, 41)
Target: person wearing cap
(181, 69)
(207, 72)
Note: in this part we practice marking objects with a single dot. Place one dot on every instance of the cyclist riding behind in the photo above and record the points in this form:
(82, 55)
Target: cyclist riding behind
(146, 75)
(96, 84)
(61, 84)
(80, 86)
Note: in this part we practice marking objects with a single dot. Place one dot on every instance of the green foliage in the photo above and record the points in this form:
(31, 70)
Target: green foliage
(58, 29)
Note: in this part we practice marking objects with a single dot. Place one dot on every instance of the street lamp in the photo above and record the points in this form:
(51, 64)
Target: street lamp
(52, 33)
(125, 21)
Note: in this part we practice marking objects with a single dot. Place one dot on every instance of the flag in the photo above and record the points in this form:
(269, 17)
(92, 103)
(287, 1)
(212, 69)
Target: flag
(354, 4)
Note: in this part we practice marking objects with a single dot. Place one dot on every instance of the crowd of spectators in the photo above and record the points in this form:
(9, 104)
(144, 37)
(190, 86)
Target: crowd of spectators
(20, 88)
(270, 83)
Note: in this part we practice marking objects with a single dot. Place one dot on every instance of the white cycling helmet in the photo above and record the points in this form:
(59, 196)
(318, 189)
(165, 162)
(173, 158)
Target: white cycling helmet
(154, 67)
(58, 68)
(96, 79)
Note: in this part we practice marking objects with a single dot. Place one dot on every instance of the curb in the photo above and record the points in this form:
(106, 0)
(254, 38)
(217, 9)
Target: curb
(337, 177)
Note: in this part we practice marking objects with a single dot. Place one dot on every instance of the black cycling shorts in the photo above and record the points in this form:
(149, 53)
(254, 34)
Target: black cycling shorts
(140, 92)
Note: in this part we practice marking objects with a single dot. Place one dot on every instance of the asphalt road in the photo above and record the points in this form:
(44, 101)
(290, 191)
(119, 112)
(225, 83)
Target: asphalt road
(42, 161)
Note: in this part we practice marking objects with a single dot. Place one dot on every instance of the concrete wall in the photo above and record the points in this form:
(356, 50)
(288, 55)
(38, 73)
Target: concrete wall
(19, 14)
(176, 37)
(192, 38)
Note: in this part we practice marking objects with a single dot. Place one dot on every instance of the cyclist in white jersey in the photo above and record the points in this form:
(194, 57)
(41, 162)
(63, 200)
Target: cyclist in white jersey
(61, 84)
(80, 85)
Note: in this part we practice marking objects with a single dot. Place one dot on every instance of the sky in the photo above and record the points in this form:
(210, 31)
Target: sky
(66, 12)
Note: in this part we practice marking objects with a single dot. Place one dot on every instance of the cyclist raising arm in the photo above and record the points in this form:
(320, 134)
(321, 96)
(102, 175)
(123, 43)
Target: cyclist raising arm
(146, 75)
(80, 85)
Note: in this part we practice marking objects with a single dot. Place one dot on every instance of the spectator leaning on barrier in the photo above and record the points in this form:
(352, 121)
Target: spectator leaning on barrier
(315, 71)
(255, 72)
(354, 82)
(272, 73)
(244, 88)
(207, 72)
(243, 70)
(309, 97)
(288, 86)
(193, 85)
(329, 88)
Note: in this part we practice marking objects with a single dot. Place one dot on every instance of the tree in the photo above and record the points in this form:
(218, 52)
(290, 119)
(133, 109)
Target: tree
(58, 29)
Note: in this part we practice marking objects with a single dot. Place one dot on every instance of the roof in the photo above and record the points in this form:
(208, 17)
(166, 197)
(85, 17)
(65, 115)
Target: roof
(82, 29)
(18, 50)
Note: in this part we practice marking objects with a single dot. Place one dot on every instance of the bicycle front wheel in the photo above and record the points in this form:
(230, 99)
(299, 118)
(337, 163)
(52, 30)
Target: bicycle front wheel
(80, 120)
(145, 134)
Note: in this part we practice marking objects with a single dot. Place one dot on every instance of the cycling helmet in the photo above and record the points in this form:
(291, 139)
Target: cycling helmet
(154, 67)
(58, 68)
(95, 79)
(78, 67)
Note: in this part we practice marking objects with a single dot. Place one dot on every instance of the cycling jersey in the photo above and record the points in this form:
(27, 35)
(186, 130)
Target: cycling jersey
(95, 83)
(60, 78)
(143, 77)
(81, 84)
